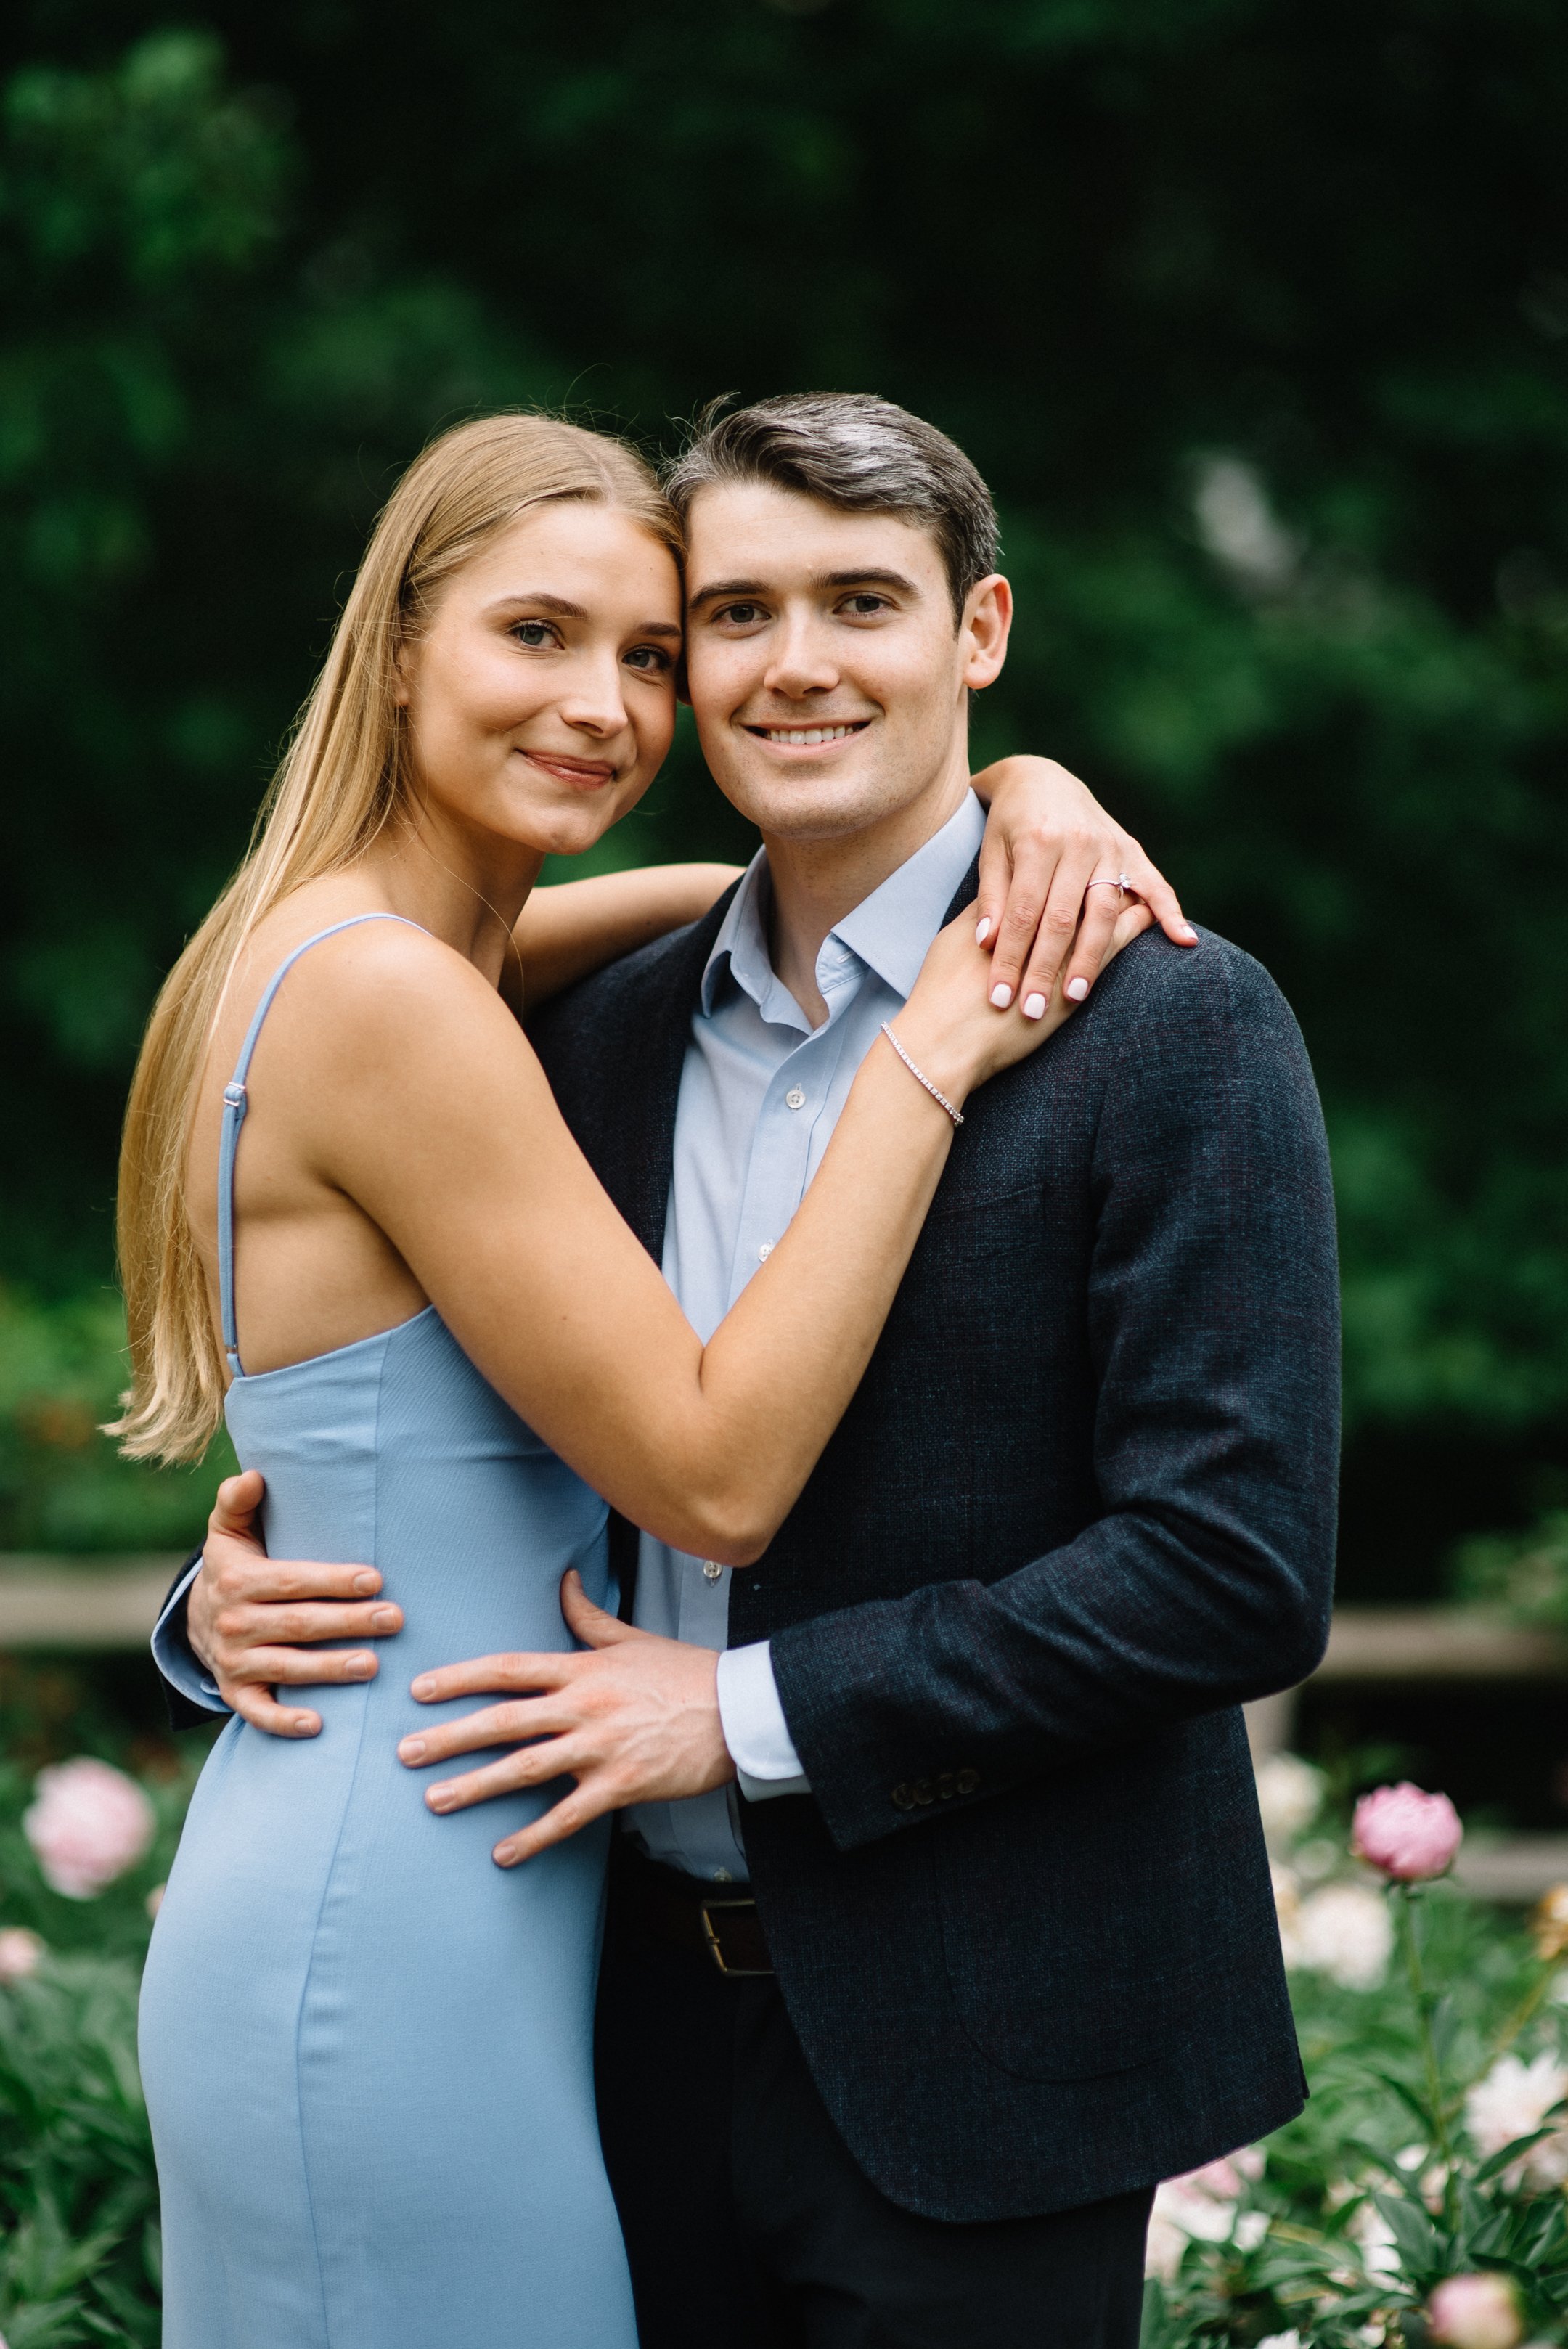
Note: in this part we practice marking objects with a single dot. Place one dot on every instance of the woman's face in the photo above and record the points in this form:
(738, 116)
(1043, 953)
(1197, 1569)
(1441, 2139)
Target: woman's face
(541, 699)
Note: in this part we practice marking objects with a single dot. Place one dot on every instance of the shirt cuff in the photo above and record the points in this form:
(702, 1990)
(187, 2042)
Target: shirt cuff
(756, 1730)
(173, 1655)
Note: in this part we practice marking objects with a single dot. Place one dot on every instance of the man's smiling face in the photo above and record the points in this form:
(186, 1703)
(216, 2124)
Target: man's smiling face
(827, 673)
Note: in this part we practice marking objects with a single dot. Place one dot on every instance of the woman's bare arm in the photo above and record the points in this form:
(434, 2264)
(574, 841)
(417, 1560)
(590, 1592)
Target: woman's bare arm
(417, 1096)
(575, 926)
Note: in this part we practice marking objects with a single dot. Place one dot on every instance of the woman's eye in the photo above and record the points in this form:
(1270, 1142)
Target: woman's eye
(536, 635)
(651, 659)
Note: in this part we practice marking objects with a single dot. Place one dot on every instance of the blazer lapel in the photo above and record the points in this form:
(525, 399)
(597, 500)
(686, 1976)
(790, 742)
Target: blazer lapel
(639, 1145)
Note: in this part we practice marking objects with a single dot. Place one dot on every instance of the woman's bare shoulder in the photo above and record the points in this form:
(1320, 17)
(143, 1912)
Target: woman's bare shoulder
(373, 985)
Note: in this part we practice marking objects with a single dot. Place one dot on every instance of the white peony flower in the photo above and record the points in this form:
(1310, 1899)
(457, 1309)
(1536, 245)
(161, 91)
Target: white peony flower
(1287, 1909)
(1374, 2238)
(1201, 2206)
(1342, 1930)
(21, 1954)
(1512, 2100)
(1290, 1796)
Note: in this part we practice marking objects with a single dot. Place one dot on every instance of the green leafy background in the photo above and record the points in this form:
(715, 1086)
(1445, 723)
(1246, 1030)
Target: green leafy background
(1255, 312)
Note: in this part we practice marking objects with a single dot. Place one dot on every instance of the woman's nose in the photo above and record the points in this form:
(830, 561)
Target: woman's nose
(595, 702)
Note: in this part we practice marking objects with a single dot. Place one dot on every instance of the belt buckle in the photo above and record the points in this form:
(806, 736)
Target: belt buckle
(716, 1947)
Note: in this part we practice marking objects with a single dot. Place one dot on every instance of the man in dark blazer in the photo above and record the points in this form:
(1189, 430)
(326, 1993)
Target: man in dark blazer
(943, 1930)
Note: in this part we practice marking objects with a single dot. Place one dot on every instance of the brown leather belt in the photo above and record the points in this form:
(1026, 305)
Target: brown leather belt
(678, 1912)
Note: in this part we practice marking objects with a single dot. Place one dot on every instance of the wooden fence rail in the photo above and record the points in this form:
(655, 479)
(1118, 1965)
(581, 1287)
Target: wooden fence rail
(105, 1603)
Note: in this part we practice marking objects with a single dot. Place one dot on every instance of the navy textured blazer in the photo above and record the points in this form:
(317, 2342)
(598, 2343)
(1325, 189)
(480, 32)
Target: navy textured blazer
(1081, 1508)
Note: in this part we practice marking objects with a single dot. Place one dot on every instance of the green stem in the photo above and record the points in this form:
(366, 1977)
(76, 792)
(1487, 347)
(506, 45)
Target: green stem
(1404, 1911)
(1523, 2010)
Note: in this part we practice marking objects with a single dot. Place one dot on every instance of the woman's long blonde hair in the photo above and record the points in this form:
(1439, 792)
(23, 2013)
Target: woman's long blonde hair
(342, 780)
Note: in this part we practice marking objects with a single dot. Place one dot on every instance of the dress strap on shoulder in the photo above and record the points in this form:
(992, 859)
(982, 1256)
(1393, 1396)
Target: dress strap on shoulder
(235, 1106)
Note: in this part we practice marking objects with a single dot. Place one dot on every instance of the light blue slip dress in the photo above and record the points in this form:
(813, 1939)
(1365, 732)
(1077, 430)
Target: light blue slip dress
(366, 2049)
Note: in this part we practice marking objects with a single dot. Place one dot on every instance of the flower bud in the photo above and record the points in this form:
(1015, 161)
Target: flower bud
(1476, 2312)
(1549, 1923)
(1407, 1833)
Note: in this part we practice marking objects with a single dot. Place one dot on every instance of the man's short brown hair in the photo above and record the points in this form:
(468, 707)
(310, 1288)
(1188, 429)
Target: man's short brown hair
(857, 451)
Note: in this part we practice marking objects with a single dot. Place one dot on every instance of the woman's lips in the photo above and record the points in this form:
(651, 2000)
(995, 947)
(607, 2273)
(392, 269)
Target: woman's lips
(583, 774)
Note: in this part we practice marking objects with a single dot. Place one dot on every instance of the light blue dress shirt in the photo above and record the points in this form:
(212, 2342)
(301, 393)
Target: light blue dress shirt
(761, 1092)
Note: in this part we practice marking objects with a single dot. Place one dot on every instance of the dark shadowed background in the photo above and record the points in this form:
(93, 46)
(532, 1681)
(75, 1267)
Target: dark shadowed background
(1254, 312)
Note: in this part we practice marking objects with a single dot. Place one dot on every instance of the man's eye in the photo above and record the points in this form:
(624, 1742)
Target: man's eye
(536, 635)
(866, 607)
(740, 615)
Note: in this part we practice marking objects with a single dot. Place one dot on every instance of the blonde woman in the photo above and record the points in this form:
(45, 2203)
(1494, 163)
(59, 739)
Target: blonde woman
(353, 1221)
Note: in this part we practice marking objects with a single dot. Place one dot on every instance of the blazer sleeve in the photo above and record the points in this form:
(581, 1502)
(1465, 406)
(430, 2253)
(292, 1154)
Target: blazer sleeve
(1213, 1326)
(169, 1641)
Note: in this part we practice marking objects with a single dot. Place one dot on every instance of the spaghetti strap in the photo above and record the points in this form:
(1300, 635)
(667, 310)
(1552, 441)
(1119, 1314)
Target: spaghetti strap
(235, 1106)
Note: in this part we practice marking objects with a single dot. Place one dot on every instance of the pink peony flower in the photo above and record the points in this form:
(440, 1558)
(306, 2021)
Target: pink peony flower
(21, 1953)
(87, 1825)
(1476, 2312)
(1407, 1833)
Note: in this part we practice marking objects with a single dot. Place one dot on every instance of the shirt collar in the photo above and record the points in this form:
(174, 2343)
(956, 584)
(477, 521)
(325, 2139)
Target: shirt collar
(888, 931)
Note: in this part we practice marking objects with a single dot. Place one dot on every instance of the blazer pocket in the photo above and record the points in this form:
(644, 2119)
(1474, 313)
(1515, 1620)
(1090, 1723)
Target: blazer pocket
(1061, 1938)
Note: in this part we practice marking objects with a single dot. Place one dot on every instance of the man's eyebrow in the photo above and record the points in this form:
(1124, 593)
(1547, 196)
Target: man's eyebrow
(869, 577)
(727, 587)
(865, 579)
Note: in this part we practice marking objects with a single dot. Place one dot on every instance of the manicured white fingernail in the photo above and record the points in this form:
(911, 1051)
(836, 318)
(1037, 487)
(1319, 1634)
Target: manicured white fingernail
(1001, 995)
(1076, 989)
(982, 931)
(1188, 932)
(1033, 1006)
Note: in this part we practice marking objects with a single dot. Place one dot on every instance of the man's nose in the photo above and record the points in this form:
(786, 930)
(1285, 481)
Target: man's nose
(801, 662)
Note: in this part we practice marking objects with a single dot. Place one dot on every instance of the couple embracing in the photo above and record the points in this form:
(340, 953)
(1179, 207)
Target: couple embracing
(858, 1459)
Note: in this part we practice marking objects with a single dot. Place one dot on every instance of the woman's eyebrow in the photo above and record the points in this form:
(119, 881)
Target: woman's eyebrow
(542, 601)
(560, 609)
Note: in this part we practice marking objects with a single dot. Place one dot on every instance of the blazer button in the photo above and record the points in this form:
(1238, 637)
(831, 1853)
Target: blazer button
(903, 1800)
(968, 1782)
(922, 1791)
(945, 1786)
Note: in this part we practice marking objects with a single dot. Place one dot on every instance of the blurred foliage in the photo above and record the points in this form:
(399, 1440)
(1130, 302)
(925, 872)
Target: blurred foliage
(1336, 2229)
(1526, 1573)
(79, 2199)
(1255, 313)
(63, 1486)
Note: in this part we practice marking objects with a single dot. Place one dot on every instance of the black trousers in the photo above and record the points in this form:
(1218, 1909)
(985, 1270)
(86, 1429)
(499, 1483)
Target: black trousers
(748, 2221)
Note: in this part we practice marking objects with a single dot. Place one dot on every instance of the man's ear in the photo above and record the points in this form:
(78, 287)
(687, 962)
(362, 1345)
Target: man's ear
(983, 631)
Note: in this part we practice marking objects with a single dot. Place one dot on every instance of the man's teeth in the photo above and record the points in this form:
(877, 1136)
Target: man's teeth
(800, 735)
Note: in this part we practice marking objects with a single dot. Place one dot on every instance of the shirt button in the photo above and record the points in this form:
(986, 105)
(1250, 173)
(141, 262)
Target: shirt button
(711, 1569)
(766, 1251)
(795, 1098)
(723, 1876)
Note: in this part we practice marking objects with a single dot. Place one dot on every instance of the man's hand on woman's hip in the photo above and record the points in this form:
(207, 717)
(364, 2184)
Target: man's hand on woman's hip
(633, 1720)
(256, 1621)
